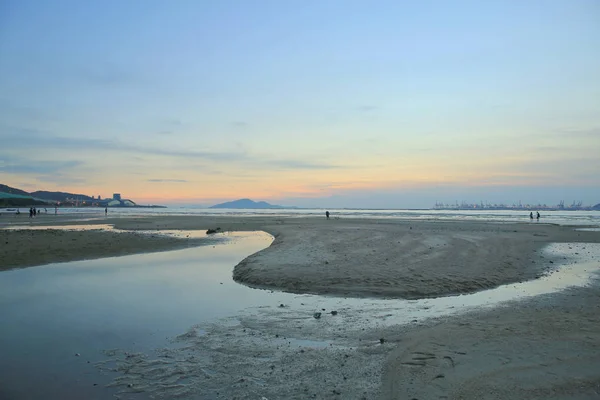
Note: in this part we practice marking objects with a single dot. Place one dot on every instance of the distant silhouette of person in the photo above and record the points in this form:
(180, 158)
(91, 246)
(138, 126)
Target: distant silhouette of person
(18, 211)
(30, 212)
(327, 214)
(105, 210)
(531, 215)
(538, 215)
(46, 210)
(55, 210)
(34, 211)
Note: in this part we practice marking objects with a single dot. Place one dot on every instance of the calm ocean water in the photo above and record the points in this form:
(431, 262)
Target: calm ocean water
(591, 218)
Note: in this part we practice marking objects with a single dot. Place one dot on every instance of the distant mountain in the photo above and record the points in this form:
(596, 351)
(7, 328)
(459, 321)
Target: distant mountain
(60, 196)
(11, 197)
(247, 204)
(44, 195)
(11, 190)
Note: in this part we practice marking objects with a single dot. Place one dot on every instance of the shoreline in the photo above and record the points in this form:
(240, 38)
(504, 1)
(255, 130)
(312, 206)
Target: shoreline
(342, 257)
(23, 248)
(543, 347)
(387, 349)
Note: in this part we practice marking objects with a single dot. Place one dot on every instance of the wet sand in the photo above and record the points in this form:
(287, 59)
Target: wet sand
(547, 347)
(347, 257)
(26, 248)
(543, 347)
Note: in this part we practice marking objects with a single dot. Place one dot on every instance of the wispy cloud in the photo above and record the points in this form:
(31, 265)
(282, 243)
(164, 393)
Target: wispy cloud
(62, 179)
(367, 108)
(13, 165)
(108, 76)
(19, 138)
(168, 180)
(299, 164)
(31, 138)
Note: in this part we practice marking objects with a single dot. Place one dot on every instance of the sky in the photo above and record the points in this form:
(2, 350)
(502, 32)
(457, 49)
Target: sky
(336, 103)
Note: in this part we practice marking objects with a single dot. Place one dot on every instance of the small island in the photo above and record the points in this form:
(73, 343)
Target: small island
(248, 204)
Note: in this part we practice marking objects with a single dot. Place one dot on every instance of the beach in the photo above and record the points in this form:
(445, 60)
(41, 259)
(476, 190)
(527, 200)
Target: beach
(544, 347)
(344, 257)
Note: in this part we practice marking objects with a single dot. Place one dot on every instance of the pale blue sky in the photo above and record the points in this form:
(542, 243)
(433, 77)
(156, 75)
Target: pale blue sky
(198, 100)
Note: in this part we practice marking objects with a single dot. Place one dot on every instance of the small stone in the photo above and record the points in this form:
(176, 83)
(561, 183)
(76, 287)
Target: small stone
(382, 340)
(322, 309)
(77, 354)
(317, 315)
(130, 385)
(281, 305)
(333, 312)
(326, 262)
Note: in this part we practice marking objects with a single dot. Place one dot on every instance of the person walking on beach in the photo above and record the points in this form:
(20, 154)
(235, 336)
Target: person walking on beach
(538, 215)
(327, 214)
(34, 212)
(30, 212)
(531, 215)
(105, 210)
(55, 210)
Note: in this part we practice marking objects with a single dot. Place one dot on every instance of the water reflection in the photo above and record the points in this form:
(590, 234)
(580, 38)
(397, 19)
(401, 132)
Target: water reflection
(53, 312)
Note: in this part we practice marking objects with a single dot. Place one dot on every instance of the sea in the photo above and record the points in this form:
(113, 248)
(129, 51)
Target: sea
(585, 218)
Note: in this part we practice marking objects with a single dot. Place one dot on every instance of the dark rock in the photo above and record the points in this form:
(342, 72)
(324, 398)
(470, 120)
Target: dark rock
(334, 312)
(382, 340)
(317, 315)
(211, 231)
(281, 306)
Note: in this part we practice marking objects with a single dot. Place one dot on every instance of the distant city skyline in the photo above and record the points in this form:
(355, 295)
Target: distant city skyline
(384, 104)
